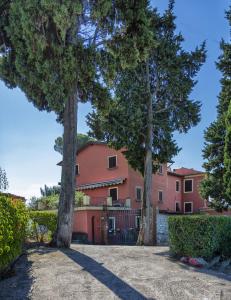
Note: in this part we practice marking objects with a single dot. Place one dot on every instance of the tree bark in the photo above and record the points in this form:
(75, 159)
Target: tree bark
(147, 235)
(63, 234)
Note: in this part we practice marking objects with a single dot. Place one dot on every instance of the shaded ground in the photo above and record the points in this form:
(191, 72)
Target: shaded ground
(110, 272)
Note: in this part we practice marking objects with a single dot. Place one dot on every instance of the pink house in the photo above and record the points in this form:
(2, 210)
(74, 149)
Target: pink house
(114, 193)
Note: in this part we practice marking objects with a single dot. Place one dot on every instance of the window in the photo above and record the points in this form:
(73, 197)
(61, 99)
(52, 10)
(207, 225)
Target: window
(77, 170)
(138, 193)
(160, 196)
(112, 162)
(188, 207)
(160, 170)
(177, 206)
(113, 193)
(111, 224)
(177, 186)
(137, 222)
(188, 185)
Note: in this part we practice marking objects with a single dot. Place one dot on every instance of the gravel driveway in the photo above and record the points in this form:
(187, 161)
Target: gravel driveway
(110, 272)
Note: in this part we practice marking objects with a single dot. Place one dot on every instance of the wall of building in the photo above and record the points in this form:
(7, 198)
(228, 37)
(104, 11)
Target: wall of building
(135, 179)
(99, 196)
(93, 167)
(82, 223)
(172, 195)
(194, 196)
(93, 164)
(159, 183)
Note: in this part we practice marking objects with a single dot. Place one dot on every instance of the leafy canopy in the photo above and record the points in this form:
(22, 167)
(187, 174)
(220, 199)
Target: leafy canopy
(216, 152)
(49, 48)
(123, 122)
(81, 140)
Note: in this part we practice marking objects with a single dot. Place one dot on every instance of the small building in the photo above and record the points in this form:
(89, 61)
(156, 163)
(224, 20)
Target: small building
(111, 209)
(15, 197)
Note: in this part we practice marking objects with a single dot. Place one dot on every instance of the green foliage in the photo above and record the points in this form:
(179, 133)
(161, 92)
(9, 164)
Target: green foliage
(42, 225)
(216, 185)
(81, 140)
(3, 180)
(227, 156)
(48, 191)
(51, 202)
(13, 222)
(204, 236)
(79, 198)
(50, 49)
(123, 121)
(55, 51)
(48, 202)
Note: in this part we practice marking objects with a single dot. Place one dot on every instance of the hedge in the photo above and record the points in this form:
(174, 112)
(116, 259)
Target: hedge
(200, 236)
(13, 223)
(42, 224)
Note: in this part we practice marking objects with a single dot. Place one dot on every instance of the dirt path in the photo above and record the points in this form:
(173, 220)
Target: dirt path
(110, 272)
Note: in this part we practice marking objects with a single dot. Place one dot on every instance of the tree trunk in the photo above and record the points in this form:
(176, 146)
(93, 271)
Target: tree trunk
(63, 235)
(147, 235)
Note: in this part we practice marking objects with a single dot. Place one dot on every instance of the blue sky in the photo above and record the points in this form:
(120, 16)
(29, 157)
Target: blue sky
(27, 135)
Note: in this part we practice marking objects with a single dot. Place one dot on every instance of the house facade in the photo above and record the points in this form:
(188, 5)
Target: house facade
(114, 192)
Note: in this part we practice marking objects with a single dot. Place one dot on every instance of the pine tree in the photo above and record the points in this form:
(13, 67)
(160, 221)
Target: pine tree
(225, 65)
(3, 180)
(151, 102)
(81, 140)
(216, 151)
(57, 52)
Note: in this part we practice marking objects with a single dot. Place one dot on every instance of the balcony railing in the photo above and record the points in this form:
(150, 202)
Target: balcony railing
(105, 201)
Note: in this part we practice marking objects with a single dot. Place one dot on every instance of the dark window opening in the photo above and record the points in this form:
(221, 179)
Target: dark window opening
(188, 186)
(138, 220)
(177, 186)
(188, 207)
(177, 207)
(111, 225)
(77, 170)
(138, 193)
(113, 193)
(160, 196)
(111, 162)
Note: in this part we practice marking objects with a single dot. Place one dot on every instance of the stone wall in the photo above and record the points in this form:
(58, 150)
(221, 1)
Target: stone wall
(162, 229)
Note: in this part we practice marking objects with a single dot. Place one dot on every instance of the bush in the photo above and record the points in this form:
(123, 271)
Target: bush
(13, 222)
(204, 236)
(42, 225)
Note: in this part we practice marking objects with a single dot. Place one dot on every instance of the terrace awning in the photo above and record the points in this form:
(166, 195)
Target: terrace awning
(95, 185)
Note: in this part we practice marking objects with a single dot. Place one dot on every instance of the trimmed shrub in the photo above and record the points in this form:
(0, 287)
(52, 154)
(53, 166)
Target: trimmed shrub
(200, 236)
(42, 225)
(13, 223)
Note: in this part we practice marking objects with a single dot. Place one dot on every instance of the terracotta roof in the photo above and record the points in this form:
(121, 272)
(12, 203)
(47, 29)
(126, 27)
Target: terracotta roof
(95, 185)
(13, 196)
(186, 171)
(171, 173)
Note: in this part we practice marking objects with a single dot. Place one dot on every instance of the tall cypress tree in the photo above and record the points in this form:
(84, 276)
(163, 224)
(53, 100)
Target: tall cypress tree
(151, 102)
(225, 65)
(216, 152)
(52, 50)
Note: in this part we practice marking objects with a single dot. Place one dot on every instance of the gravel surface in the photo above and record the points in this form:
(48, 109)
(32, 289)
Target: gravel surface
(111, 272)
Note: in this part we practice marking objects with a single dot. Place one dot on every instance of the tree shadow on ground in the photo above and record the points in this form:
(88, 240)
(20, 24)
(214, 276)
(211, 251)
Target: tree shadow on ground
(18, 285)
(183, 266)
(119, 287)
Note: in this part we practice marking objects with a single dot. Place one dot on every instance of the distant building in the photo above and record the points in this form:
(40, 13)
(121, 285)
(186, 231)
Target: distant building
(14, 196)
